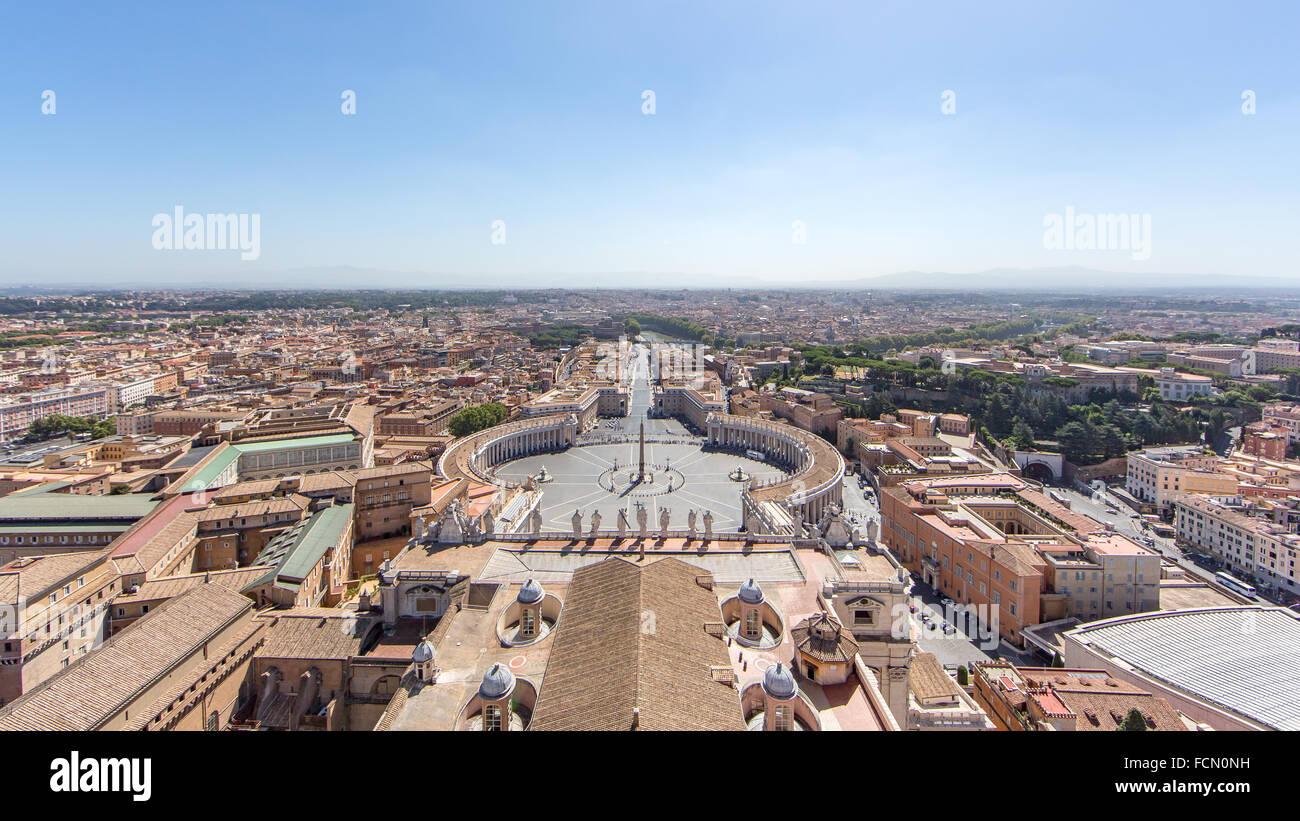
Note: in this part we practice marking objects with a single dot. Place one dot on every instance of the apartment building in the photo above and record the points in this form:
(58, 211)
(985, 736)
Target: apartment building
(418, 422)
(1265, 440)
(1158, 475)
(19, 412)
(1057, 699)
(1251, 547)
(1283, 415)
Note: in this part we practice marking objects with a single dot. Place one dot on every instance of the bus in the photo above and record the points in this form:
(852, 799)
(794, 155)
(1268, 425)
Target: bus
(1233, 583)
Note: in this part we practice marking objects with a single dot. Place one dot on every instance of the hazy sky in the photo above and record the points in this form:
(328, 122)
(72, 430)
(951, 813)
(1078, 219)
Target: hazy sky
(532, 114)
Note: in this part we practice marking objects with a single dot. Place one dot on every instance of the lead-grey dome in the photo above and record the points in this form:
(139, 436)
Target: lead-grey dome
(778, 682)
(530, 593)
(751, 593)
(498, 682)
(423, 652)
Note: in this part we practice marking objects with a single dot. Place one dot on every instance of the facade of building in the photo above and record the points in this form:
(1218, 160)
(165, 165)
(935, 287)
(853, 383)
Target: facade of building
(1251, 548)
(181, 667)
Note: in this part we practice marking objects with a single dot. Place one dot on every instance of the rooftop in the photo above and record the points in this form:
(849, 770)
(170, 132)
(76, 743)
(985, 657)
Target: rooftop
(1242, 658)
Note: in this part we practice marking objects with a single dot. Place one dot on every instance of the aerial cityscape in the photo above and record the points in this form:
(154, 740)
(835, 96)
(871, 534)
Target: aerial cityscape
(376, 370)
(649, 509)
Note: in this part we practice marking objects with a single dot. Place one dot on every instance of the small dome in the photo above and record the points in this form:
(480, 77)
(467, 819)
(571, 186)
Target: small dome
(778, 682)
(751, 593)
(498, 682)
(530, 593)
(423, 652)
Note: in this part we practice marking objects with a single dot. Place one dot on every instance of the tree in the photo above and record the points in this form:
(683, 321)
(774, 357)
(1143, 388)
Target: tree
(963, 677)
(631, 327)
(1057, 661)
(477, 418)
(1076, 443)
(1112, 441)
(1133, 722)
(1022, 434)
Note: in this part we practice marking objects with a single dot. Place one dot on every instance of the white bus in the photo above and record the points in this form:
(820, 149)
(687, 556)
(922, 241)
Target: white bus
(1233, 583)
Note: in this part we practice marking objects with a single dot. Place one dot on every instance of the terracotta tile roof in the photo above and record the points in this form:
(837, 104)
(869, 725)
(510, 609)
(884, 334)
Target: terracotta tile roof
(167, 587)
(1106, 711)
(34, 576)
(101, 683)
(929, 681)
(314, 633)
(823, 638)
(633, 637)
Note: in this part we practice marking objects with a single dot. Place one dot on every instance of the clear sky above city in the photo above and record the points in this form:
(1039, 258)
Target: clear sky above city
(772, 123)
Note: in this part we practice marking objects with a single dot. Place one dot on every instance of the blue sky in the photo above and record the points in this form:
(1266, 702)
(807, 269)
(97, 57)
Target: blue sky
(531, 113)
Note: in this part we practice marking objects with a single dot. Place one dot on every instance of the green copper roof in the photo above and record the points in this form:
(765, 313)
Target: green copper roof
(75, 507)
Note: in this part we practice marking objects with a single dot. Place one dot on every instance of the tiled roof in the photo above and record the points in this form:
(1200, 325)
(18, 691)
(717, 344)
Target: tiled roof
(928, 680)
(33, 576)
(314, 633)
(633, 637)
(167, 587)
(101, 683)
(823, 638)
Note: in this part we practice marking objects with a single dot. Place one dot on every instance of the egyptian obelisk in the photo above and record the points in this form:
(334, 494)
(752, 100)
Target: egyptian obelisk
(640, 470)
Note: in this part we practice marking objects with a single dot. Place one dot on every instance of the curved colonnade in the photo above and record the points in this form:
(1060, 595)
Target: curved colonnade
(815, 482)
(474, 456)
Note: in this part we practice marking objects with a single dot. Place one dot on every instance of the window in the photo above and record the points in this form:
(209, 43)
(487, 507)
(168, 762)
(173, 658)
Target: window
(866, 617)
(781, 717)
(528, 623)
(492, 717)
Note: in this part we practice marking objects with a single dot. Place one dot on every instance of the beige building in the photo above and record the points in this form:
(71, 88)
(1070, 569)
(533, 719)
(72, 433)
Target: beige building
(1158, 476)
(181, 667)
